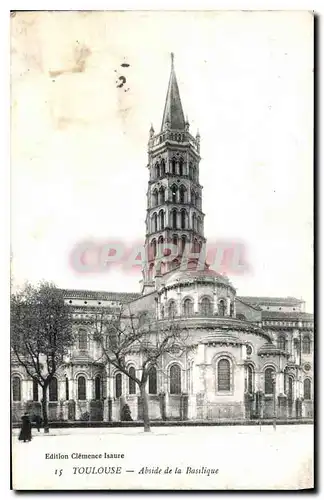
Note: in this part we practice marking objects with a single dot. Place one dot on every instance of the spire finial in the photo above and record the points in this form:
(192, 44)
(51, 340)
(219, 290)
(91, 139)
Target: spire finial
(172, 60)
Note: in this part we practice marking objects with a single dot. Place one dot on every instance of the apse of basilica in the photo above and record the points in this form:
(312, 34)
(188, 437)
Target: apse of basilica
(253, 356)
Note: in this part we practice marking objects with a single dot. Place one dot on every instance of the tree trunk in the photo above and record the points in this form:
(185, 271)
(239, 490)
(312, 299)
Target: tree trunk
(44, 410)
(146, 417)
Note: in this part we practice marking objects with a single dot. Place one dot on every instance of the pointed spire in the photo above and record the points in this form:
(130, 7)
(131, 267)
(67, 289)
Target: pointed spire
(173, 116)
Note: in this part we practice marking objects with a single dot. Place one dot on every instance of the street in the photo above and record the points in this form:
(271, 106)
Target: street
(233, 457)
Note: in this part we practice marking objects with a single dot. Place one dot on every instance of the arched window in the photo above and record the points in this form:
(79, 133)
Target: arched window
(174, 191)
(157, 170)
(232, 309)
(182, 193)
(193, 222)
(151, 270)
(190, 171)
(118, 385)
(16, 388)
(35, 390)
(175, 379)
(162, 312)
(175, 240)
(249, 380)
(82, 392)
(206, 308)
(174, 219)
(183, 219)
(172, 309)
(153, 249)
(223, 375)
(241, 317)
(306, 344)
(152, 381)
(193, 198)
(183, 243)
(269, 381)
(142, 319)
(131, 382)
(221, 307)
(199, 224)
(282, 343)
(248, 350)
(161, 218)
(188, 307)
(162, 167)
(173, 166)
(82, 340)
(154, 223)
(289, 388)
(97, 387)
(307, 389)
(67, 392)
(181, 166)
(160, 245)
(194, 173)
(161, 195)
(154, 198)
(52, 390)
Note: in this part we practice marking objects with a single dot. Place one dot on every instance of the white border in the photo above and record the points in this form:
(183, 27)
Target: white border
(310, 5)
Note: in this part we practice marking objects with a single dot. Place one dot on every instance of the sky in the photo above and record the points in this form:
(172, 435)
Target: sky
(79, 143)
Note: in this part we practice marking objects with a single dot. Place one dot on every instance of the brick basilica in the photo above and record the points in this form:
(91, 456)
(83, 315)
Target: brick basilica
(254, 355)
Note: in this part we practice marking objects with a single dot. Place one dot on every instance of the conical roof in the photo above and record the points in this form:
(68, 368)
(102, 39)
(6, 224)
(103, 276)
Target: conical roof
(173, 116)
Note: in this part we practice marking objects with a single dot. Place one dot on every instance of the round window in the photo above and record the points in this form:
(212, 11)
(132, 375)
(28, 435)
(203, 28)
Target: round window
(307, 367)
(248, 350)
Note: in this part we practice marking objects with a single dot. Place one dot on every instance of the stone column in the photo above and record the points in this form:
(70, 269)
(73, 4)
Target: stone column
(196, 304)
(228, 306)
(280, 383)
(89, 386)
(178, 219)
(27, 390)
(239, 381)
(72, 389)
(201, 396)
(215, 301)
(179, 301)
(61, 388)
(167, 214)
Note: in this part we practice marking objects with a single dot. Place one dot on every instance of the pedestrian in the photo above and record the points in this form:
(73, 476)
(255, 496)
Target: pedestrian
(25, 432)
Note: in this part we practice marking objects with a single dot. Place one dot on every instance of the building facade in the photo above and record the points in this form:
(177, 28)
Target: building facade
(253, 356)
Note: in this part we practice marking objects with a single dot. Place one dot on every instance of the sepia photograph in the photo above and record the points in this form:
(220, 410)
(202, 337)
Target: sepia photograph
(161, 306)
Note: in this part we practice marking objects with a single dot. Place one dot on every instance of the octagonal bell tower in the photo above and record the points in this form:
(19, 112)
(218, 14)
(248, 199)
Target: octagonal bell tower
(174, 195)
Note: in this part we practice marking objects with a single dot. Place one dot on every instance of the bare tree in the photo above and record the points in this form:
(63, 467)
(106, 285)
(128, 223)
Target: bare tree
(41, 334)
(123, 335)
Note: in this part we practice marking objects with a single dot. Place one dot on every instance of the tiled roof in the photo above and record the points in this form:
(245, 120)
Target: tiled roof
(269, 348)
(287, 315)
(123, 297)
(254, 306)
(287, 301)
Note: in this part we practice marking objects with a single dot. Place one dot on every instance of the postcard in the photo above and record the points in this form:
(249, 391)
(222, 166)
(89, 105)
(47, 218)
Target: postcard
(162, 328)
